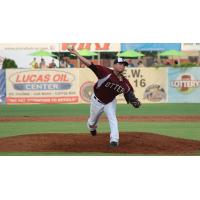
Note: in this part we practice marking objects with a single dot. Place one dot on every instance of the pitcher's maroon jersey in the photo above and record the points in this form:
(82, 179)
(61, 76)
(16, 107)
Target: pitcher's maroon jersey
(108, 85)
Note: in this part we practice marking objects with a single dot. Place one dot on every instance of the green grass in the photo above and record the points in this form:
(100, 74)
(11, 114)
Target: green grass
(182, 130)
(82, 109)
(43, 110)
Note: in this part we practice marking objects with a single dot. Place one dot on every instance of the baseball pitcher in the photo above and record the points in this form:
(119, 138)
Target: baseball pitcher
(110, 84)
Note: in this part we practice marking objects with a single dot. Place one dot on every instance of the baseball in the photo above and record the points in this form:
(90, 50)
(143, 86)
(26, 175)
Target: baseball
(69, 46)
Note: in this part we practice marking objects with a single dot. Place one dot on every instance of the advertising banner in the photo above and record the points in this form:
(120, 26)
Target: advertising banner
(30, 46)
(54, 86)
(98, 47)
(184, 85)
(49, 86)
(2, 87)
(150, 84)
(150, 46)
(190, 46)
(87, 79)
(22, 54)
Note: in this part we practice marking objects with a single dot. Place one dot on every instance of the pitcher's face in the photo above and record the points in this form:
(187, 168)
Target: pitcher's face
(119, 67)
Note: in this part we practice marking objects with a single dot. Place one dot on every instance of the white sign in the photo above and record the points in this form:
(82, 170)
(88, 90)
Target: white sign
(190, 46)
(30, 46)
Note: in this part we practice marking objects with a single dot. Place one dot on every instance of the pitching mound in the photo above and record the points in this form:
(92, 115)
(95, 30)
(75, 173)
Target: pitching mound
(131, 143)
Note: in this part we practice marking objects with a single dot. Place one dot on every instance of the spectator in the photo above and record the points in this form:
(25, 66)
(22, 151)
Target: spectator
(34, 64)
(176, 62)
(168, 63)
(130, 63)
(69, 64)
(155, 63)
(62, 63)
(140, 64)
(52, 64)
(42, 63)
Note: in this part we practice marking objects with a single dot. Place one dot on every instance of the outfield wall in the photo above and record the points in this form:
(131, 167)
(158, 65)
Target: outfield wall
(56, 86)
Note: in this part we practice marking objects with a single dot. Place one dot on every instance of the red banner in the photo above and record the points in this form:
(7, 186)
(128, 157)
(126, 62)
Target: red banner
(92, 46)
(42, 100)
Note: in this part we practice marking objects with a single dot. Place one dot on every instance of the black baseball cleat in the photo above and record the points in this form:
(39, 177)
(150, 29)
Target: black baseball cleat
(114, 144)
(93, 133)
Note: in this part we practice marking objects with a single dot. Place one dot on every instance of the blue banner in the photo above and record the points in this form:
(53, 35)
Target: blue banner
(2, 87)
(42, 86)
(150, 46)
(184, 85)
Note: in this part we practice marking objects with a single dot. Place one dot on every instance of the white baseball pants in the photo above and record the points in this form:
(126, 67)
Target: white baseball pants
(96, 109)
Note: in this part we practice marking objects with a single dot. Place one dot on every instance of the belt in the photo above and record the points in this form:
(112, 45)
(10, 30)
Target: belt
(98, 100)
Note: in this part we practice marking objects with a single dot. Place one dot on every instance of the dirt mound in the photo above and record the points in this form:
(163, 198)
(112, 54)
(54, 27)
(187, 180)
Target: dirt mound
(131, 143)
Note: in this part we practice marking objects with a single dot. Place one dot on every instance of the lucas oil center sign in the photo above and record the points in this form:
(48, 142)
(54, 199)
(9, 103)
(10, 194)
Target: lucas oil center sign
(42, 86)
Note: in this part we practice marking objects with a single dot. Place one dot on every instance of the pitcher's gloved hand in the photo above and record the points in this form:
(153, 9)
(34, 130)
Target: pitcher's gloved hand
(135, 103)
(130, 98)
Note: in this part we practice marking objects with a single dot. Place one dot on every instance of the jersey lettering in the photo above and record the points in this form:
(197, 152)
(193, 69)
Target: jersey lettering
(117, 87)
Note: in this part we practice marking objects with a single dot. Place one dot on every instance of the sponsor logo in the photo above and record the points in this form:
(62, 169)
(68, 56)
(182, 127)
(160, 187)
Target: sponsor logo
(32, 80)
(86, 91)
(185, 83)
(80, 46)
(154, 93)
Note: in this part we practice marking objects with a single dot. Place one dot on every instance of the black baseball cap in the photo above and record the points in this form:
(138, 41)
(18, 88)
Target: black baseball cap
(121, 60)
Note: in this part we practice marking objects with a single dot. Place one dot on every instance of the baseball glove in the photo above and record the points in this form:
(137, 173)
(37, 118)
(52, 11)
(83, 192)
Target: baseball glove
(130, 98)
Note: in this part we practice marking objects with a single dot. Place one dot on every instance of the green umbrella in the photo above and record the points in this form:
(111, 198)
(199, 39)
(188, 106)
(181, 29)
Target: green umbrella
(130, 54)
(172, 53)
(87, 53)
(42, 53)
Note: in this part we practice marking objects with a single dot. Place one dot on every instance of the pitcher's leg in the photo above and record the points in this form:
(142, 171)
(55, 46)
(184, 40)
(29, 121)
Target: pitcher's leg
(110, 110)
(96, 110)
